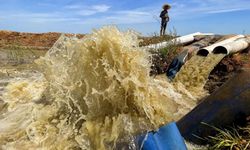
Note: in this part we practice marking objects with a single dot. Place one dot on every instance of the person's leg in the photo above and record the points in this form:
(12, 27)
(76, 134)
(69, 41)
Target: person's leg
(164, 27)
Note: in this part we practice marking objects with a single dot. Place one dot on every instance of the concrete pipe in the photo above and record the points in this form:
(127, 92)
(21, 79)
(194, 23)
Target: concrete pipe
(186, 38)
(232, 47)
(180, 40)
(205, 51)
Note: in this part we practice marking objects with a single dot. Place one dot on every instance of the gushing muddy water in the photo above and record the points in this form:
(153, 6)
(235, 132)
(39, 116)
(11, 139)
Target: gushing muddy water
(93, 93)
(194, 74)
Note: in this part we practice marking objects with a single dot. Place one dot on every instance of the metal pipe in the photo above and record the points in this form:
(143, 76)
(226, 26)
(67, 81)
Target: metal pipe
(205, 51)
(232, 47)
(228, 106)
(180, 40)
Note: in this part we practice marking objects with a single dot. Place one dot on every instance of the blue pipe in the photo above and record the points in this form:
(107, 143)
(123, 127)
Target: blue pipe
(167, 137)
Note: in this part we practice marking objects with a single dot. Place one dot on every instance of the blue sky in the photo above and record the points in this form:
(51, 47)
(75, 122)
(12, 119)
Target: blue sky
(81, 16)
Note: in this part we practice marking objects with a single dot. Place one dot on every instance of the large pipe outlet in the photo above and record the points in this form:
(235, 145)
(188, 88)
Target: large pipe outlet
(205, 51)
(232, 47)
(180, 40)
(228, 106)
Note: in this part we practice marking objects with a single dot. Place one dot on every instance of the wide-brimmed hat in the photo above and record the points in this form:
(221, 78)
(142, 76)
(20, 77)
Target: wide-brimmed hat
(167, 6)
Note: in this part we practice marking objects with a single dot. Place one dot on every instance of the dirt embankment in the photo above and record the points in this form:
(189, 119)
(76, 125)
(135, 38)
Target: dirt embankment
(17, 48)
(44, 41)
(222, 72)
(227, 69)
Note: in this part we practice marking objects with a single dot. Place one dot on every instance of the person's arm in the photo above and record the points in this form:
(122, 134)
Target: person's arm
(167, 17)
(162, 14)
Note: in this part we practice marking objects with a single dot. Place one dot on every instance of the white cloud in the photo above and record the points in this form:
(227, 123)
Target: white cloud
(101, 8)
(39, 17)
(46, 20)
(84, 10)
(201, 7)
(122, 17)
(41, 4)
(226, 10)
(78, 13)
(73, 6)
(34, 15)
(132, 13)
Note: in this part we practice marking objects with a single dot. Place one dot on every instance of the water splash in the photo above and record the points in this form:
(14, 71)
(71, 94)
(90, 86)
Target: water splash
(94, 93)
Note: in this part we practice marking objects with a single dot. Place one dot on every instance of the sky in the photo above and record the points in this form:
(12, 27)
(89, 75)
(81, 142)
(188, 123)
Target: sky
(82, 16)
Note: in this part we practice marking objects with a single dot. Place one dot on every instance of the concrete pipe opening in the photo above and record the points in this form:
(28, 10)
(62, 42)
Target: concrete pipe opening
(203, 52)
(220, 50)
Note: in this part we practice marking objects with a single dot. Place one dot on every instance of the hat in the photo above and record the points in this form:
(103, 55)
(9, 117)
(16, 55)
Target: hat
(166, 6)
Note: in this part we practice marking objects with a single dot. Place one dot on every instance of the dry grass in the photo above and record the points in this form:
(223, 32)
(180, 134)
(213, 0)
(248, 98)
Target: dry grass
(161, 58)
(154, 39)
(23, 56)
(233, 139)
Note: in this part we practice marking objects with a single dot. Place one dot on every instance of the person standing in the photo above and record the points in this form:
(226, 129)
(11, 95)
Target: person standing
(164, 18)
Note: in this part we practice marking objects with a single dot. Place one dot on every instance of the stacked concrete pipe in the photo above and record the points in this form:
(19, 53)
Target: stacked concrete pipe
(228, 46)
(180, 40)
(232, 47)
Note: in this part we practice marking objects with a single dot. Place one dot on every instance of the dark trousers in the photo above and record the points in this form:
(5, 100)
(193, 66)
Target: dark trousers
(163, 26)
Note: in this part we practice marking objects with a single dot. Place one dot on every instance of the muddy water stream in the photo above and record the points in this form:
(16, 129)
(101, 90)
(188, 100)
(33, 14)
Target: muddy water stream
(194, 74)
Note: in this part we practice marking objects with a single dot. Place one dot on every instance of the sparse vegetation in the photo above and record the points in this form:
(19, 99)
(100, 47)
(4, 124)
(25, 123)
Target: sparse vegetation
(155, 38)
(22, 56)
(235, 138)
(162, 58)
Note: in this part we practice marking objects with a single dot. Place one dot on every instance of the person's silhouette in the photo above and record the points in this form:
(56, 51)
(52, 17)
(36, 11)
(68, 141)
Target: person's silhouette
(164, 18)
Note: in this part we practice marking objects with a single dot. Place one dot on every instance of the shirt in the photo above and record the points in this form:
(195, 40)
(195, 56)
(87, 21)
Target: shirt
(164, 15)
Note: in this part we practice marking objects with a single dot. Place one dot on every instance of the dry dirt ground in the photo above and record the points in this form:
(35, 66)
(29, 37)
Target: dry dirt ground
(41, 41)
